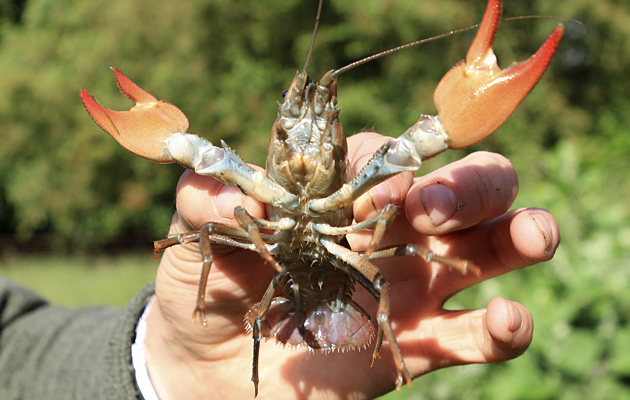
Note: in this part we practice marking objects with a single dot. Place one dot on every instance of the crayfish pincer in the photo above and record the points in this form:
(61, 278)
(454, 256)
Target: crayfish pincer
(308, 189)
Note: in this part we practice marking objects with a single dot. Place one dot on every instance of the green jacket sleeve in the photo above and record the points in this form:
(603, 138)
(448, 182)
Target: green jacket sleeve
(50, 352)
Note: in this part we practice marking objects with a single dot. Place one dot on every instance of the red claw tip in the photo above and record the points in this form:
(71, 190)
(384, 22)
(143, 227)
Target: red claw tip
(130, 90)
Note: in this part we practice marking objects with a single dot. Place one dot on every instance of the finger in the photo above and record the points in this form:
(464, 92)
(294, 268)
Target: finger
(501, 332)
(462, 194)
(361, 148)
(515, 240)
(205, 199)
(202, 199)
(510, 327)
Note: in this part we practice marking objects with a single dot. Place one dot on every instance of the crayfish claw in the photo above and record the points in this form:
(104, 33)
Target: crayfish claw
(144, 128)
(130, 90)
(403, 377)
(202, 316)
(374, 358)
(476, 96)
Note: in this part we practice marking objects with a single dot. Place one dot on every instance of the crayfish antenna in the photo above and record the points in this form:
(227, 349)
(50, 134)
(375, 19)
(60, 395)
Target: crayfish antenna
(310, 50)
(475, 97)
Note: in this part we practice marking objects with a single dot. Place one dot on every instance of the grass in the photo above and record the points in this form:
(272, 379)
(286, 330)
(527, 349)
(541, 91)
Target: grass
(83, 280)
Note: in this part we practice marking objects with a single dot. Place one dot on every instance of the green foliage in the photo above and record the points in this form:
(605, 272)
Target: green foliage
(225, 64)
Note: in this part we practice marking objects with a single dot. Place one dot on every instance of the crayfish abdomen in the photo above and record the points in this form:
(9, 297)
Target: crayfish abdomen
(316, 311)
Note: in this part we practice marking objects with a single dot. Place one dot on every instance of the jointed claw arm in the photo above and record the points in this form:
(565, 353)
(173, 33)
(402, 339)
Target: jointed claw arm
(473, 100)
(156, 130)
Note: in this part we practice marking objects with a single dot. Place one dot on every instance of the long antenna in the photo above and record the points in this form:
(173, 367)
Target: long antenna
(310, 50)
(440, 36)
(395, 49)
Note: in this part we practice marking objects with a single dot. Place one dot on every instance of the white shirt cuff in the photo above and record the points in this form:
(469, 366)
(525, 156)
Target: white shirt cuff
(138, 359)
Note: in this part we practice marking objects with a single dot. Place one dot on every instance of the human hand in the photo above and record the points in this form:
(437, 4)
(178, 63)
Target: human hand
(187, 360)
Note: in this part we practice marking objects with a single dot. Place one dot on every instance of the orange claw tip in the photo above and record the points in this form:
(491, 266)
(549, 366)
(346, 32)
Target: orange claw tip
(476, 97)
(143, 129)
(487, 31)
(132, 91)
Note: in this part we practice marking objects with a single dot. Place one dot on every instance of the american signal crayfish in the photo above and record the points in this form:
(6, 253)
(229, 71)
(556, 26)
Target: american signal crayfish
(309, 189)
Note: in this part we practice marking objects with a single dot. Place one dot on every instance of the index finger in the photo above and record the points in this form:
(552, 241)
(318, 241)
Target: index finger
(474, 189)
(205, 199)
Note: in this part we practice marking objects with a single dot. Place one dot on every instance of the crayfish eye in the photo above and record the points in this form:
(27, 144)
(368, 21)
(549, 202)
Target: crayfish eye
(284, 93)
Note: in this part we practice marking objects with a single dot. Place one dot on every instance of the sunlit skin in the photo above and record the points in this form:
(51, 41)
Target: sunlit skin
(187, 360)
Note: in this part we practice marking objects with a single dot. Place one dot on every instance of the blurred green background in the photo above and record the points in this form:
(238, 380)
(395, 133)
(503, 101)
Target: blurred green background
(73, 204)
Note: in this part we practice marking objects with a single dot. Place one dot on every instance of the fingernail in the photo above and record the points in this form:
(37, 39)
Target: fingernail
(545, 228)
(516, 319)
(227, 199)
(439, 202)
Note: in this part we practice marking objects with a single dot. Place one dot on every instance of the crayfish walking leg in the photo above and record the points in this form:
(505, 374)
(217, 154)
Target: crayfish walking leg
(380, 285)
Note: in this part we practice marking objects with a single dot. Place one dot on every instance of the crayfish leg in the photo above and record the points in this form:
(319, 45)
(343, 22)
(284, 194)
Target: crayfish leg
(246, 221)
(254, 320)
(377, 348)
(384, 218)
(460, 265)
(256, 334)
(383, 321)
(381, 286)
(206, 254)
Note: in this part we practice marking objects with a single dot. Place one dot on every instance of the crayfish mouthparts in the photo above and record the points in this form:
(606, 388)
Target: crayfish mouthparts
(308, 188)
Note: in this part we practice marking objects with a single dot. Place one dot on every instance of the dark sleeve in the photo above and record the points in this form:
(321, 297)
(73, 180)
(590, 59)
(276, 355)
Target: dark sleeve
(50, 352)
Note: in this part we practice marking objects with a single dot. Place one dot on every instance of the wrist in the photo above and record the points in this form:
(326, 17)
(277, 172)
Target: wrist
(168, 366)
(138, 357)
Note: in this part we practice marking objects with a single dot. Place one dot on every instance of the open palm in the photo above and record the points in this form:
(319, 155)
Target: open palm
(459, 210)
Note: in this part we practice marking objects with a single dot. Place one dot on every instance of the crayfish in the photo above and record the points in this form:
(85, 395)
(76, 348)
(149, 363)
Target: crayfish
(309, 189)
